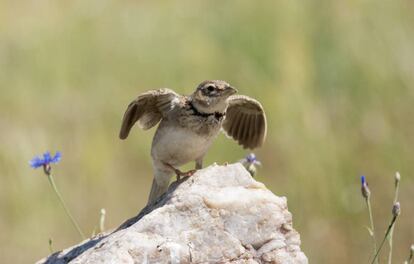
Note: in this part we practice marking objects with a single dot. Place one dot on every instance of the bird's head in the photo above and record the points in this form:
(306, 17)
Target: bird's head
(211, 96)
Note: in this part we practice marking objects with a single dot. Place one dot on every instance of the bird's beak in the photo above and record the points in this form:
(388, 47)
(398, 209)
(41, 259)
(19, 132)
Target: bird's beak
(230, 90)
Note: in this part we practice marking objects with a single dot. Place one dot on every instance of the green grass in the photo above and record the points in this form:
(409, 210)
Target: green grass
(336, 79)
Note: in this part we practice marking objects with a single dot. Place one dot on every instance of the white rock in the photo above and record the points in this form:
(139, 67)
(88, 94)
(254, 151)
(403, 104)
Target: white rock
(219, 215)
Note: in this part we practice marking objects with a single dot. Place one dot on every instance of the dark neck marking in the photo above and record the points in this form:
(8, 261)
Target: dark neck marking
(217, 115)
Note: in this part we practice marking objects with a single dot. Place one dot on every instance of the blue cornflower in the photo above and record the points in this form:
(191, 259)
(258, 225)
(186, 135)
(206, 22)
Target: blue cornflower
(45, 161)
(251, 158)
(364, 188)
(249, 163)
(363, 180)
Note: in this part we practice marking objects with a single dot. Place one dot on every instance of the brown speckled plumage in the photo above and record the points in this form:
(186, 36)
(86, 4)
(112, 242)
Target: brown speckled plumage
(189, 125)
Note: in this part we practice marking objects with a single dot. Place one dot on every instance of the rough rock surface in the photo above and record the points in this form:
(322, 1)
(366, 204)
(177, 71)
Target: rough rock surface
(219, 215)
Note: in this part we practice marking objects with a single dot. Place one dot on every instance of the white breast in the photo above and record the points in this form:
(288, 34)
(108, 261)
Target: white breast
(178, 146)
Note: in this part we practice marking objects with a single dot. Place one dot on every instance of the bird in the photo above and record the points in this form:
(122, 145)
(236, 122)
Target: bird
(189, 124)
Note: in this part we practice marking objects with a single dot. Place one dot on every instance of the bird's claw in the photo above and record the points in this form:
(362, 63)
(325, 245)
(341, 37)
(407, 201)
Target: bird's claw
(180, 173)
(184, 174)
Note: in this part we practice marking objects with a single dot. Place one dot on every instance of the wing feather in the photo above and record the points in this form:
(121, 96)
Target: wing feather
(245, 137)
(234, 125)
(245, 121)
(252, 124)
(230, 115)
(262, 127)
(148, 109)
(240, 127)
(257, 129)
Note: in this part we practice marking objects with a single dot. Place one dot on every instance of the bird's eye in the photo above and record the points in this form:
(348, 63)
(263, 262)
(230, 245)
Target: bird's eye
(210, 88)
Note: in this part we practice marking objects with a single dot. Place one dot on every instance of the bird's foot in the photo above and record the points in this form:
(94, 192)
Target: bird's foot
(184, 174)
(180, 173)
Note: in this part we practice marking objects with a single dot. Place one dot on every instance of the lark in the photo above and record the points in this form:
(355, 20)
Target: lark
(188, 125)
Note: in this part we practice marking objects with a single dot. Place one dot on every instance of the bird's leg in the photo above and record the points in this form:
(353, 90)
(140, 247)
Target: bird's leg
(180, 173)
(199, 164)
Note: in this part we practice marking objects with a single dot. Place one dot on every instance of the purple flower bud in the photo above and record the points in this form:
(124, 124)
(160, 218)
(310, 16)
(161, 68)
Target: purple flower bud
(364, 188)
(363, 180)
(251, 158)
(396, 209)
(249, 163)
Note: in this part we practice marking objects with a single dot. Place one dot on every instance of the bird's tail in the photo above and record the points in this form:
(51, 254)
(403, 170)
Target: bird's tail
(157, 190)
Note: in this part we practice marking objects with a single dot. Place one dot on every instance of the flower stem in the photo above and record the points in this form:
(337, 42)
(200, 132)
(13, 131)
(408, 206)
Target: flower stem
(102, 221)
(390, 238)
(50, 246)
(62, 202)
(371, 220)
(410, 259)
(394, 218)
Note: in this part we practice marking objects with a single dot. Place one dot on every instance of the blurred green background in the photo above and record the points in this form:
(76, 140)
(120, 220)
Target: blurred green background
(335, 77)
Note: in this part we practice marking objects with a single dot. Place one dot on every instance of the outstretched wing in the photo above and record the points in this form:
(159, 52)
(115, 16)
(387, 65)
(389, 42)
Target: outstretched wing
(148, 109)
(245, 121)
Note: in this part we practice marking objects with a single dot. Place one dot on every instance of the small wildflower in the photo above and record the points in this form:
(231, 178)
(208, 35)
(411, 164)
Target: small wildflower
(37, 161)
(251, 158)
(45, 161)
(396, 209)
(364, 188)
(249, 163)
